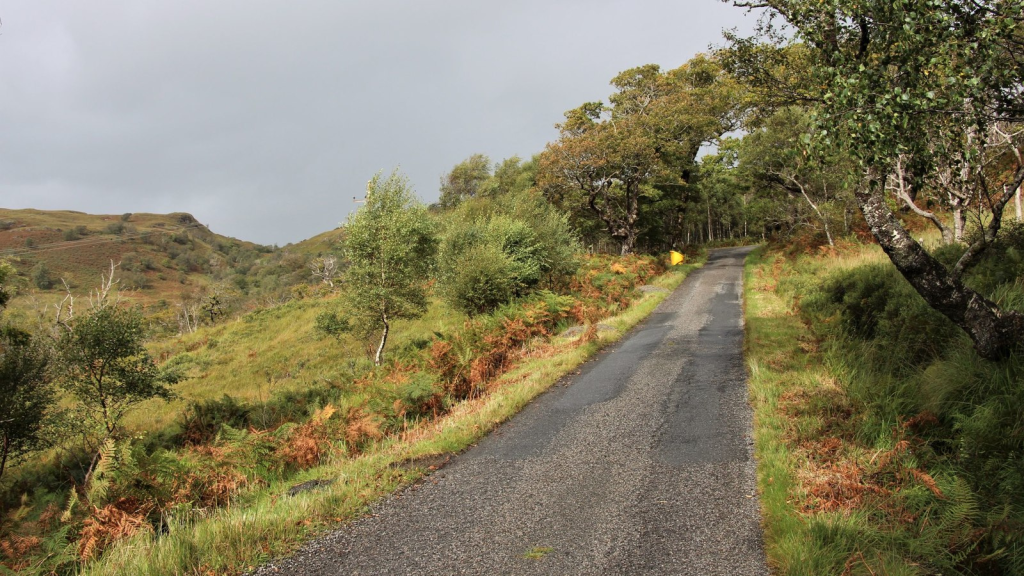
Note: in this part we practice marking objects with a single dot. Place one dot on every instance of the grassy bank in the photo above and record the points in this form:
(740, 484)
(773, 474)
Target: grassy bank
(885, 445)
(366, 436)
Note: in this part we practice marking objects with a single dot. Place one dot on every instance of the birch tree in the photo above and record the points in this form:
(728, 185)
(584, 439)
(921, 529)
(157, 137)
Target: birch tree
(921, 87)
(390, 245)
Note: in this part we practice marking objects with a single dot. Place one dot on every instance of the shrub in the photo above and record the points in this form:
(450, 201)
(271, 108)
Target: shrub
(25, 394)
(41, 276)
(76, 233)
(495, 250)
(332, 324)
(479, 279)
(135, 281)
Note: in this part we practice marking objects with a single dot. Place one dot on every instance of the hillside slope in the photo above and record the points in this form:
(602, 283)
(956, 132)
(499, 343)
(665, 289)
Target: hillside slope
(164, 259)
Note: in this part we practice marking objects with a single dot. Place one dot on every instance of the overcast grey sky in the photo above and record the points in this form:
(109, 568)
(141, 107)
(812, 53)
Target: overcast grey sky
(263, 119)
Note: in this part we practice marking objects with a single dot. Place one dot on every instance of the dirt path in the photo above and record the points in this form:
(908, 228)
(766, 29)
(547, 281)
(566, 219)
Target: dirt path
(640, 465)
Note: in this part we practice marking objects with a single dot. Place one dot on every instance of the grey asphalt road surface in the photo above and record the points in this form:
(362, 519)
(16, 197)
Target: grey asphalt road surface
(641, 464)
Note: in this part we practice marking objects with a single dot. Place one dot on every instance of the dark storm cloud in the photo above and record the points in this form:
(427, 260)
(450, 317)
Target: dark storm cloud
(264, 119)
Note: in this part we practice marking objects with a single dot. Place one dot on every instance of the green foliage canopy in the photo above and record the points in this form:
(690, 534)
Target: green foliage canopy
(25, 394)
(103, 364)
(614, 160)
(922, 93)
(390, 246)
(497, 249)
(465, 180)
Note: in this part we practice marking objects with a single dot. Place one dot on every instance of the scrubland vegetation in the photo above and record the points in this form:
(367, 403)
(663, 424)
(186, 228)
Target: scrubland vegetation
(231, 399)
(213, 437)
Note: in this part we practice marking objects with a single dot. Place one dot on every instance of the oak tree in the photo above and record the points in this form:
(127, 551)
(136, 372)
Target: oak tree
(614, 159)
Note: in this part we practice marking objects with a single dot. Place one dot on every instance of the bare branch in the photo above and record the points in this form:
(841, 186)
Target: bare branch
(98, 298)
(902, 190)
(990, 232)
(65, 309)
(325, 268)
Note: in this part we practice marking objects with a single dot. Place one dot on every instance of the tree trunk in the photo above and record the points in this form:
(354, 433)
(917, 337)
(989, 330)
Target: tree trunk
(824, 221)
(3, 456)
(994, 332)
(383, 340)
(958, 224)
(711, 236)
(1016, 201)
(628, 242)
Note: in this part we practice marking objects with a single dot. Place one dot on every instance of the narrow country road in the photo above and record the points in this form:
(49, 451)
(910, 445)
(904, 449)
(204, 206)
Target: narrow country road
(642, 464)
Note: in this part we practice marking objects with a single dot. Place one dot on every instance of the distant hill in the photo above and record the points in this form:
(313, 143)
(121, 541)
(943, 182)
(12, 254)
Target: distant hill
(162, 257)
(323, 243)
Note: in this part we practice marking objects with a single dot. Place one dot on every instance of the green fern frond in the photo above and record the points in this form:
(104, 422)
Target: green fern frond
(70, 508)
(284, 431)
(99, 480)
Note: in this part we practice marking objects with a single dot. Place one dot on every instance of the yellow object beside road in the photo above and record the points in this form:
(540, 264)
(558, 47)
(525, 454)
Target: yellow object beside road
(676, 257)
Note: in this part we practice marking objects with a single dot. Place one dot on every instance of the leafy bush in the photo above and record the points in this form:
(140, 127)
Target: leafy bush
(25, 394)
(332, 324)
(494, 250)
(135, 281)
(477, 280)
(41, 276)
(75, 233)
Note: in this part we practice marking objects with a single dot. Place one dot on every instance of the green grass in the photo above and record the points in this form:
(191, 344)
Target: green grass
(798, 395)
(776, 366)
(233, 539)
(271, 351)
(849, 483)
